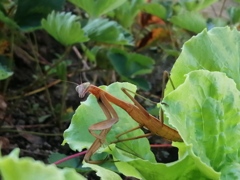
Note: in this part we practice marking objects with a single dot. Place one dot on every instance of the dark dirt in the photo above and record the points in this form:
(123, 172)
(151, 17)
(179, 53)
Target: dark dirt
(24, 115)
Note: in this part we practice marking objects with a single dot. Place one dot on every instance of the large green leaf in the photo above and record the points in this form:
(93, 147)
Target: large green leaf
(105, 31)
(205, 111)
(97, 8)
(64, 27)
(188, 167)
(214, 50)
(13, 167)
(89, 112)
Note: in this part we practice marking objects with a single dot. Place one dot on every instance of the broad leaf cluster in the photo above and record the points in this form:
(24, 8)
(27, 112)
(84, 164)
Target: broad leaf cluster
(204, 108)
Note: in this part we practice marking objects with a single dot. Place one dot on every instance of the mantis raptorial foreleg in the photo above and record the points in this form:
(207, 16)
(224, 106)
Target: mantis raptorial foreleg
(104, 127)
(109, 112)
(95, 146)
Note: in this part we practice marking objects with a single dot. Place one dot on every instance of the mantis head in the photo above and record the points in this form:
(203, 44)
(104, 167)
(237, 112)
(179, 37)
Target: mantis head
(82, 89)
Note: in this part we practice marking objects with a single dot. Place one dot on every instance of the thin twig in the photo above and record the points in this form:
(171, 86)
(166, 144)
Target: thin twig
(28, 126)
(35, 91)
(31, 132)
(35, 55)
(214, 11)
(221, 11)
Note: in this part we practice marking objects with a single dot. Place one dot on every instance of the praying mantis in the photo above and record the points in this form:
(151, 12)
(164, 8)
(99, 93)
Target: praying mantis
(136, 111)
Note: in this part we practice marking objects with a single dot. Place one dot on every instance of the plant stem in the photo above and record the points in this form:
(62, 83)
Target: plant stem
(70, 157)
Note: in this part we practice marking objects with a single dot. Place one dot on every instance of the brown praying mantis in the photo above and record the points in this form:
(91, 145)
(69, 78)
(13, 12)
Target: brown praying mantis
(136, 111)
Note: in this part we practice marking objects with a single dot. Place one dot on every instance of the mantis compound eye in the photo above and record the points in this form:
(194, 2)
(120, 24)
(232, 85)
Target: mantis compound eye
(82, 89)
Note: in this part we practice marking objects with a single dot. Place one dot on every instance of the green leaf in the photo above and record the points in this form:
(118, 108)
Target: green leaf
(98, 8)
(205, 111)
(139, 82)
(91, 53)
(127, 12)
(196, 4)
(43, 118)
(186, 168)
(234, 13)
(155, 9)
(71, 163)
(214, 50)
(231, 171)
(4, 74)
(89, 113)
(130, 65)
(29, 13)
(61, 69)
(191, 21)
(4, 71)
(6, 20)
(102, 172)
(64, 27)
(217, 22)
(105, 31)
(27, 169)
